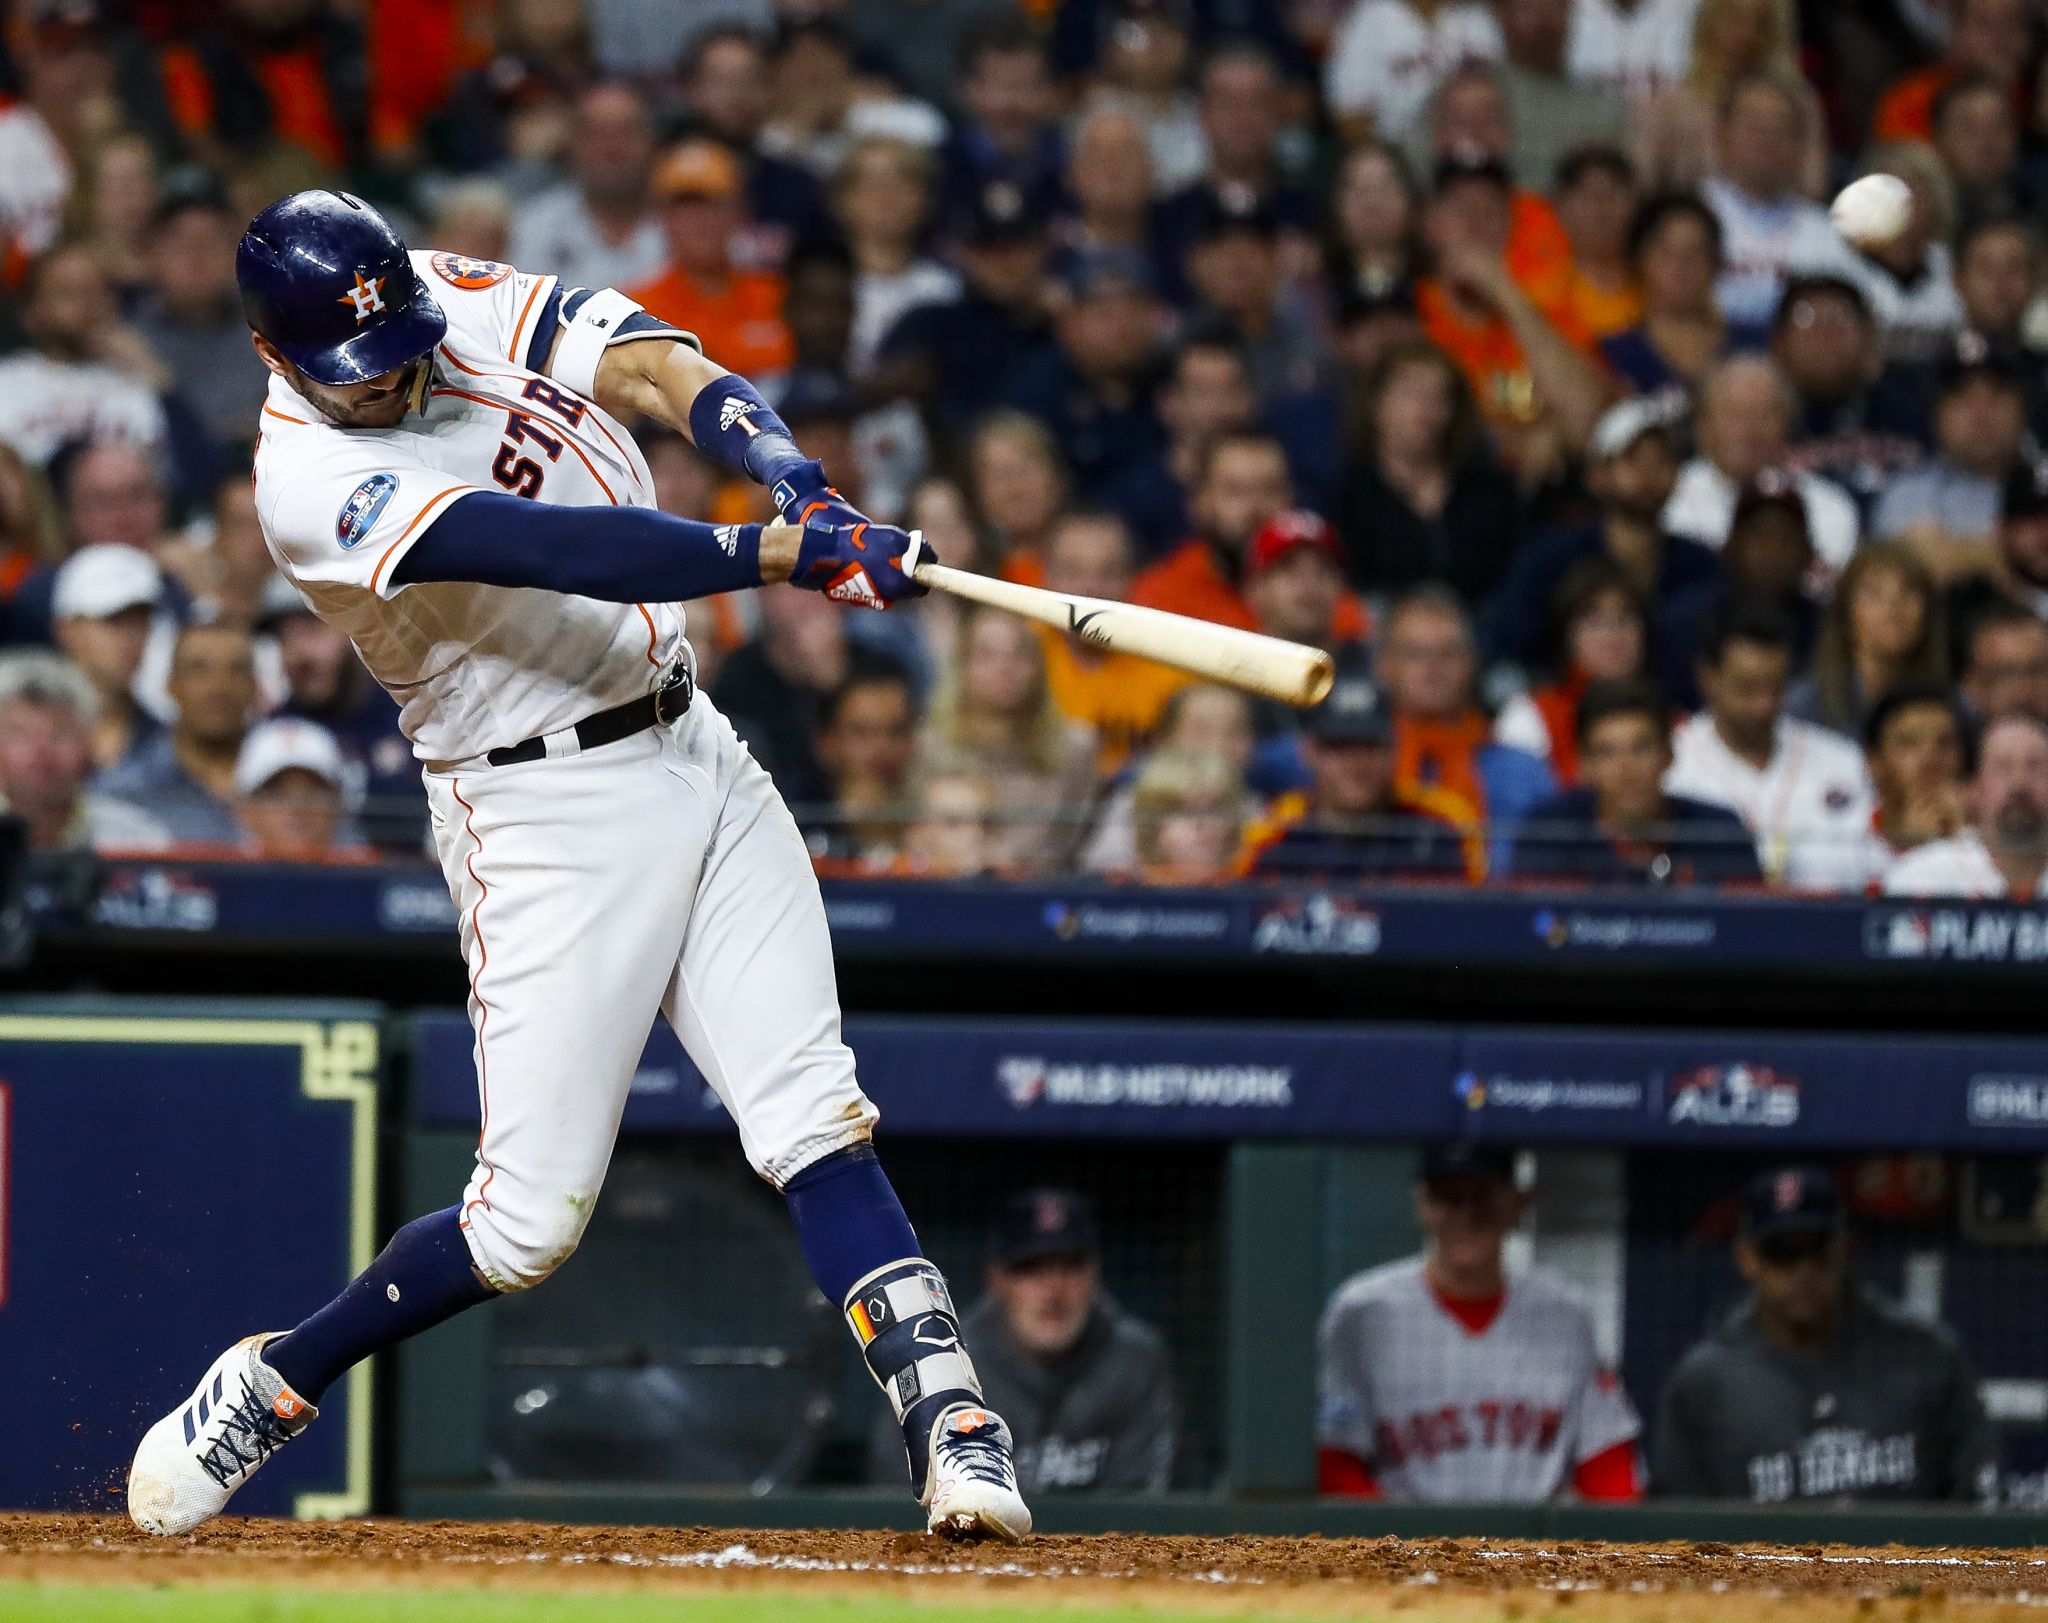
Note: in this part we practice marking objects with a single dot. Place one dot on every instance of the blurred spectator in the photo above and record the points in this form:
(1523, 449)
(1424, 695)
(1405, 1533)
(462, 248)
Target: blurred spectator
(1596, 291)
(812, 90)
(1858, 423)
(1976, 135)
(272, 73)
(1989, 39)
(725, 88)
(1731, 40)
(993, 710)
(1910, 280)
(953, 835)
(2005, 664)
(32, 542)
(1802, 791)
(1554, 113)
(1469, 128)
(1242, 484)
(1770, 231)
(867, 745)
(1117, 696)
(76, 380)
(101, 610)
(770, 688)
(882, 194)
(1143, 72)
(111, 493)
(192, 318)
(598, 229)
(1371, 249)
(1947, 510)
(639, 36)
(1446, 1377)
(2018, 576)
(1601, 635)
(1815, 1387)
(1095, 391)
(1622, 828)
(1089, 1383)
(1294, 582)
(184, 777)
(1997, 267)
(937, 49)
(1389, 56)
(735, 313)
(46, 720)
(1631, 469)
(1243, 104)
(1746, 411)
(1234, 272)
(1020, 489)
(231, 567)
(1637, 47)
(1531, 380)
(289, 779)
(1422, 499)
(1881, 628)
(512, 113)
(66, 82)
(2003, 852)
(951, 357)
(116, 203)
(325, 683)
(473, 217)
(1205, 393)
(1188, 816)
(1768, 560)
(1355, 821)
(1005, 134)
(1674, 245)
(1200, 720)
(1913, 742)
(1109, 184)
(1444, 743)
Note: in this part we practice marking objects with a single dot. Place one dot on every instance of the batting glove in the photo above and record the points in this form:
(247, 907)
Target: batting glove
(862, 563)
(803, 497)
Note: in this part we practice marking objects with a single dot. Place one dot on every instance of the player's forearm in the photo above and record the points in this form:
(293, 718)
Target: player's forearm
(614, 554)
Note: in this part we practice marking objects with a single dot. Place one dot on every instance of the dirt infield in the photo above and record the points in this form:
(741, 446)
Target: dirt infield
(1270, 1577)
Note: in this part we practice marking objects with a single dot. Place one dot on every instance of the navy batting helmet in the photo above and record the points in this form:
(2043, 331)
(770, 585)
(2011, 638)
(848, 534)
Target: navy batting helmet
(326, 279)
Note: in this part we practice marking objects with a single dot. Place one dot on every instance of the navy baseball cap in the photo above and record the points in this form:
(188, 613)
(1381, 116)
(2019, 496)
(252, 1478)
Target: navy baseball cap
(1038, 1223)
(1972, 355)
(1356, 712)
(1001, 213)
(1222, 211)
(1461, 1158)
(1791, 1200)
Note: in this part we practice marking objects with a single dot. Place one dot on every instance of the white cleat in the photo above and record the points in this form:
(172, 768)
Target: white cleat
(973, 1479)
(191, 1462)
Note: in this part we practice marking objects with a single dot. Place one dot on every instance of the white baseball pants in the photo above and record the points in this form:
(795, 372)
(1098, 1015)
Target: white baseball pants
(660, 872)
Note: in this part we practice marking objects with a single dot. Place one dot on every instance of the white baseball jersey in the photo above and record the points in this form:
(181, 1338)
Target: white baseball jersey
(1636, 49)
(1957, 866)
(473, 667)
(1441, 1413)
(1388, 59)
(1809, 808)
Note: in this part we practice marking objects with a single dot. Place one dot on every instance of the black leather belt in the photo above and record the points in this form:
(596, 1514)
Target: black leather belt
(656, 709)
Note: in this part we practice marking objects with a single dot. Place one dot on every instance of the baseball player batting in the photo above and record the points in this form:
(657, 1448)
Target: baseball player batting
(444, 475)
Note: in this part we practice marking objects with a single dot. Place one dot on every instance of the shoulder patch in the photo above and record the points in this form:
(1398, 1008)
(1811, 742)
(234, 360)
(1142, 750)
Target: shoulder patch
(459, 270)
(360, 511)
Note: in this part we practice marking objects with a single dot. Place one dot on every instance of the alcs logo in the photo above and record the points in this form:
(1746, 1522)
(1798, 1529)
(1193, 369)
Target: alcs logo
(1734, 1096)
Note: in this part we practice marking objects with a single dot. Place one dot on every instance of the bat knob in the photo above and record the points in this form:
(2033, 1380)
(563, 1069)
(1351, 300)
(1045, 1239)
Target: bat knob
(916, 555)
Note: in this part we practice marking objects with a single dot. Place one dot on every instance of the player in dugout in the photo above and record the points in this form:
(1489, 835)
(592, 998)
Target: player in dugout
(1447, 1378)
(1817, 1387)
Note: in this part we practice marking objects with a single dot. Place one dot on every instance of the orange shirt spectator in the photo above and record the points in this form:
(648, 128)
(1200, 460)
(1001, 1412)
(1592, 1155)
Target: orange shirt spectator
(1119, 695)
(736, 314)
(1988, 37)
(1193, 579)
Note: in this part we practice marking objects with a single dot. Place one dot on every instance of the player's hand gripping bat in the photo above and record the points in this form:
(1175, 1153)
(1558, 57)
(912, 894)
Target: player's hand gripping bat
(1286, 671)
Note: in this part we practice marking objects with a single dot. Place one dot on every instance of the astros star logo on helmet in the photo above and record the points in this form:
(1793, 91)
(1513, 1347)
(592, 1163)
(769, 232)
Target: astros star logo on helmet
(367, 297)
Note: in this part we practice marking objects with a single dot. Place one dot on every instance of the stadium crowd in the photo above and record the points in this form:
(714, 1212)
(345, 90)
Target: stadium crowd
(1501, 347)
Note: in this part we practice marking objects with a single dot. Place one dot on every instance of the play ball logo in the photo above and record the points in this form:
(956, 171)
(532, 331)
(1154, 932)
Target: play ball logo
(471, 275)
(360, 512)
(1734, 1096)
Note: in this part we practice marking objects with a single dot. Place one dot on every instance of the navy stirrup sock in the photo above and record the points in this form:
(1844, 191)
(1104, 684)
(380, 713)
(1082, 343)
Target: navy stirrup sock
(863, 1254)
(421, 1278)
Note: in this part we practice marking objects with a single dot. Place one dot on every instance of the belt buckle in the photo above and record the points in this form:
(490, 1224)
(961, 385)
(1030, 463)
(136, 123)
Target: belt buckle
(674, 696)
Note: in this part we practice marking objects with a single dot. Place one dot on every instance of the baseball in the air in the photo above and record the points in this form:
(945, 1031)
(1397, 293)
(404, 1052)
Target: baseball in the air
(1873, 211)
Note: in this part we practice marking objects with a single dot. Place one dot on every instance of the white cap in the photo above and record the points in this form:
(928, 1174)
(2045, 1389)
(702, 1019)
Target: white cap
(103, 579)
(1620, 426)
(278, 746)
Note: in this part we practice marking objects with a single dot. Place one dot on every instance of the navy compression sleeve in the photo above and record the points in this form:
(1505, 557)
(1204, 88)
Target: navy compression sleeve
(617, 554)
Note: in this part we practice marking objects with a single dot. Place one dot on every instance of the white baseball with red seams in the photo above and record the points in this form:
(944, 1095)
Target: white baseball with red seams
(667, 858)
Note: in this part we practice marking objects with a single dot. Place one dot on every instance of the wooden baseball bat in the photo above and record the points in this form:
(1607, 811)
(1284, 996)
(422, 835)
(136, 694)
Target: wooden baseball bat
(1281, 670)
